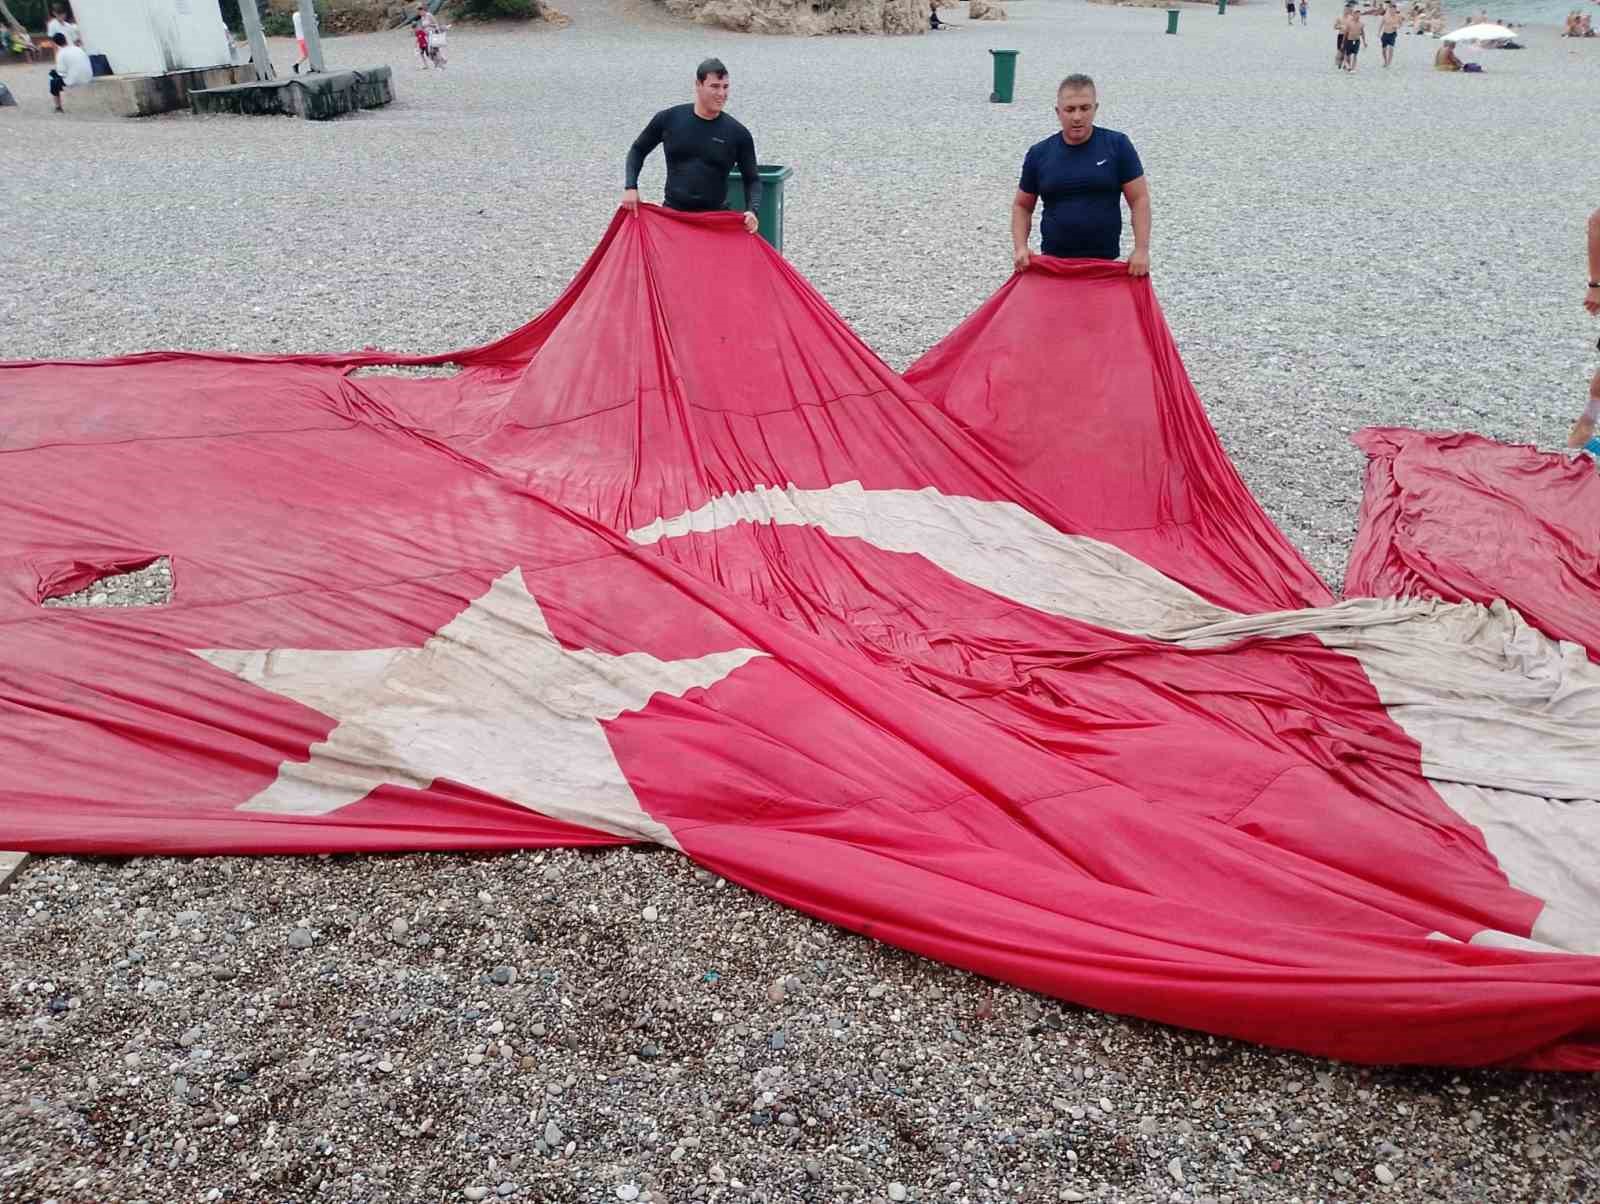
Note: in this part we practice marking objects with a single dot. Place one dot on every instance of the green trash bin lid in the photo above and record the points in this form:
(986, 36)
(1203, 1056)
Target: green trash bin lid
(1012, 53)
(769, 172)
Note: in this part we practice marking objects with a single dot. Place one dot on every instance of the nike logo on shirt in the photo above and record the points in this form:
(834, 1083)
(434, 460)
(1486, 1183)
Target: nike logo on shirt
(1102, 162)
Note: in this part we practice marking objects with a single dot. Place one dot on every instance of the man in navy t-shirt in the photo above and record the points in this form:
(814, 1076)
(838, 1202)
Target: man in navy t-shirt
(1083, 173)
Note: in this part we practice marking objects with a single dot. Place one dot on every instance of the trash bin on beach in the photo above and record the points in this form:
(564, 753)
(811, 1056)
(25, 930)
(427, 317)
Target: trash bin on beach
(1222, 8)
(1172, 20)
(770, 216)
(1005, 75)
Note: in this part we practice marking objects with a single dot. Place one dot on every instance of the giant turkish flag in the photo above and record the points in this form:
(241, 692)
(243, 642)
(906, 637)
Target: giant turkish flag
(1002, 665)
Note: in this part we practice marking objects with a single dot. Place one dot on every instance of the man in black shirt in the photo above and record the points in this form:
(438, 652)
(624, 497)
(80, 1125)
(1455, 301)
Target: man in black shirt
(703, 144)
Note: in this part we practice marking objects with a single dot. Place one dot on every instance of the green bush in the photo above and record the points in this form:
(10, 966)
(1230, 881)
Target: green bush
(281, 25)
(230, 13)
(491, 10)
(31, 13)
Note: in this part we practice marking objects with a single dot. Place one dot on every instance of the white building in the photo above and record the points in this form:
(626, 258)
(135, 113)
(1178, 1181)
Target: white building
(152, 37)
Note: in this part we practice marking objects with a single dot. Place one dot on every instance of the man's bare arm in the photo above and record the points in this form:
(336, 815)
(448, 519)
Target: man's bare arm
(1137, 194)
(1021, 227)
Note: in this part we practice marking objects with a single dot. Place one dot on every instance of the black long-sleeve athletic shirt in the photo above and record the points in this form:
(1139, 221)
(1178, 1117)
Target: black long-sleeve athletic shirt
(700, 154)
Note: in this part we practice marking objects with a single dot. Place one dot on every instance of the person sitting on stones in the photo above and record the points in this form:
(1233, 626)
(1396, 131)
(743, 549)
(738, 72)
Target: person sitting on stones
(703, 145)
(72, 68)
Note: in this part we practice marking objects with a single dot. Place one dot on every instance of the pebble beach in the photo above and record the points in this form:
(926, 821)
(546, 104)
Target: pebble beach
(1332, 251)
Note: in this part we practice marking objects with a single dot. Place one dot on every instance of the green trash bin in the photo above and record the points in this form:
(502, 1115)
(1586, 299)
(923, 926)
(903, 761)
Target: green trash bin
(1222, 8)
(1005, 75)
(770, 215)
(1172, 20)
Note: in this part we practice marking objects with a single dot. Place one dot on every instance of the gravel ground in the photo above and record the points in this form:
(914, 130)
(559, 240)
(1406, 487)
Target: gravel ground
(1332, 251)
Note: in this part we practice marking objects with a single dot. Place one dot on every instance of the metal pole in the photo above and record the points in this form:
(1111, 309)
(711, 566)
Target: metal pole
(259, 58)
(308, 22)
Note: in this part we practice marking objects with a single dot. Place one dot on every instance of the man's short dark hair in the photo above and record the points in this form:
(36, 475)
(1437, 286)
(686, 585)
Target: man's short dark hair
(60, 39)
(709, 67)
(1075, 81)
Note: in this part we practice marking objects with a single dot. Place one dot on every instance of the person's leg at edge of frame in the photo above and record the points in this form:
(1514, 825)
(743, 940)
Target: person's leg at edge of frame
(1583, 429)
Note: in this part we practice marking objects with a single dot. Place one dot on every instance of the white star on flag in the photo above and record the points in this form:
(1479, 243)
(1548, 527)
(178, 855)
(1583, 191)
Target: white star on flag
(492, 701)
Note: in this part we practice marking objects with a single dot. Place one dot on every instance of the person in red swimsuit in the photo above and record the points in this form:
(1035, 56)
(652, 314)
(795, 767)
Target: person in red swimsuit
(422, 20)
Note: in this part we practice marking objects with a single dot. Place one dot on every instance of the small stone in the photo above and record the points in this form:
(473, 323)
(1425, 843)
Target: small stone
(1105, 1104)
(399, 927)
(1175, 1169)
(231, 1119)
(553, 1136)
(877, 991)
(627, 1191)
(498, 1027)
(386, 1066)
(1072, 1196)
(505, 1189)
(475, 1193)
(651, 915)
(300, 938)
(777, 1040)
(503, 976)
(1384, 1175)
(788, 1119)
(185, 918)
(897, 1192)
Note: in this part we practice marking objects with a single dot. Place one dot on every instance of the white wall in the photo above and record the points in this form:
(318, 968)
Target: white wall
(148, 37)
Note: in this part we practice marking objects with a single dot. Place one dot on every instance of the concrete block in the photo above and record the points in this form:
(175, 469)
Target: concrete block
(147, 95)
(314, 97)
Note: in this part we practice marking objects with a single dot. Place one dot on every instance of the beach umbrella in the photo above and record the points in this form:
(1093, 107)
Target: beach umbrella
(1480, 33)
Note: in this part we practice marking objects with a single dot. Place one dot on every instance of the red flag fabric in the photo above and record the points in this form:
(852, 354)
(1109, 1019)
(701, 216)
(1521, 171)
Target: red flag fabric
(1088, 402)
(681, 561)
(1461, 517)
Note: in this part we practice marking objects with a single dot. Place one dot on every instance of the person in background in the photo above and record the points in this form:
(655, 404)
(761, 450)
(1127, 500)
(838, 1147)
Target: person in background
(1303, 11)
(72, 69)
(1389, 31)
(422, 20)
(1583, 430)
(1355, 36)
(299, 40)
(61, 22)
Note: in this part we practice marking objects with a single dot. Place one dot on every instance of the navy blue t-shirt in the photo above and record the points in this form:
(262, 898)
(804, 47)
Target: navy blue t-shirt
(1082, 190)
